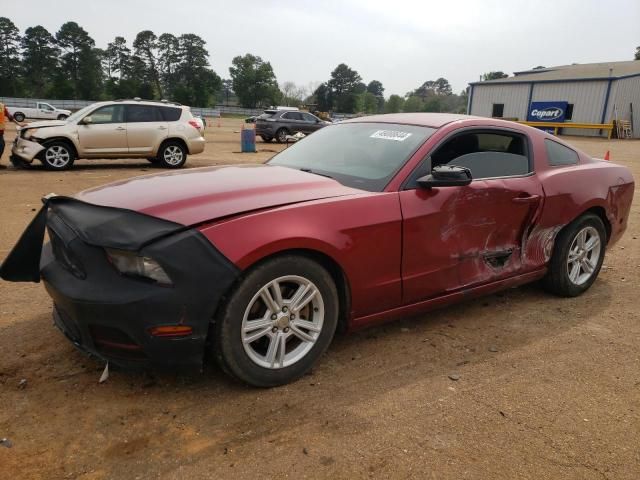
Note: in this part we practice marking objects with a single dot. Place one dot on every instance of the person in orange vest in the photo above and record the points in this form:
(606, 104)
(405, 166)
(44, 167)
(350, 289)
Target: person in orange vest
(4, 116)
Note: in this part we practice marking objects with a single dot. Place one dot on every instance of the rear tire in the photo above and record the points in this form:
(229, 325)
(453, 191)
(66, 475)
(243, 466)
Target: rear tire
(266, 139)
(19, 116)
(153, 160)
(57, 155)
(577, 257)
(172, 154)
(289, 307)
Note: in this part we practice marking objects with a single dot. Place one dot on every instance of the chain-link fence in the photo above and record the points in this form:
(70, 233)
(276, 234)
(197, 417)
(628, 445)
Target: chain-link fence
(78, 104)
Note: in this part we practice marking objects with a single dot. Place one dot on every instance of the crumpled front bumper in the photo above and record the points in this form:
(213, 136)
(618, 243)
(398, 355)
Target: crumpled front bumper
(26, 149)
(266, 129)
(111, 315)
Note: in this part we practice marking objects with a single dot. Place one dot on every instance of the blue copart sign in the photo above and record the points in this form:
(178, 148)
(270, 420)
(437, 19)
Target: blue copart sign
(547, 111)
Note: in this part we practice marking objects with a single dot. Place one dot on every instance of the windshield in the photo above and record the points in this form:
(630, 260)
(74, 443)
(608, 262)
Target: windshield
(358, 155)
(79, 114)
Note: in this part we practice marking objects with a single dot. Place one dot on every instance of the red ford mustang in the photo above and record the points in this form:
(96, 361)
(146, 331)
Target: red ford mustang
(361, 222)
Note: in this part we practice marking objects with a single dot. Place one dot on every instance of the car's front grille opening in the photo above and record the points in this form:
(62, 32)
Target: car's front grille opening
(114, 342)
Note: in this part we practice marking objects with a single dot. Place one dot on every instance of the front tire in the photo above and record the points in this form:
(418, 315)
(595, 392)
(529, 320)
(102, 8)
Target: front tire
(266, 139)
(19, 116)
(172, 155)
(62, 117)
(281, 135)
(577, 257)
(277, 323)
(58, 156)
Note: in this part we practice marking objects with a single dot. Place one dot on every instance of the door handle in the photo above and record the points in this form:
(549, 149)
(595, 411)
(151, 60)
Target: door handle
(120, 128)
(527, 199)
(162, 128)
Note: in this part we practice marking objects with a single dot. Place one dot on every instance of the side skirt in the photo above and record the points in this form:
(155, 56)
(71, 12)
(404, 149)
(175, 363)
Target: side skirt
(445, 300)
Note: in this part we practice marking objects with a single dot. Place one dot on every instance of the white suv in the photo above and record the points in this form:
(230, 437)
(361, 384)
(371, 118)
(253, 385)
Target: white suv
(164, 133)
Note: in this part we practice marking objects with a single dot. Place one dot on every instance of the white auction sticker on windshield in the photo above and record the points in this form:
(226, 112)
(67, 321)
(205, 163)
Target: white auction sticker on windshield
(391, 135)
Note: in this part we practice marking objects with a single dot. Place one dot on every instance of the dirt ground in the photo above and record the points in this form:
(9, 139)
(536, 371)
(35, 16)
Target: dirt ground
(548, 388)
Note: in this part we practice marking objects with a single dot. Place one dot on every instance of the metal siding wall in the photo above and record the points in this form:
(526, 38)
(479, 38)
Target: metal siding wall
(514, 98)
(587, 99)
(624, 92)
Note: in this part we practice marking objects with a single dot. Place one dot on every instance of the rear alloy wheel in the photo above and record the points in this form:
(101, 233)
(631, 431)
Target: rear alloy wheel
(577, 257)
(19, 116)
(281, 135)
(57, 156)
(172, 155)
(278, 322)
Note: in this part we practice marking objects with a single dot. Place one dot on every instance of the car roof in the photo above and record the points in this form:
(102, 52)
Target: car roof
(140, 102)
(433, 120)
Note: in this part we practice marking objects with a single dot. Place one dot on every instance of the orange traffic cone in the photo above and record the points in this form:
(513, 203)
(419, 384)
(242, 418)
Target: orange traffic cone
(606, 155)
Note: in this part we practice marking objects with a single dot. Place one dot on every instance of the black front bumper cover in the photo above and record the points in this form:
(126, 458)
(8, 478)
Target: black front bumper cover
(108, 314)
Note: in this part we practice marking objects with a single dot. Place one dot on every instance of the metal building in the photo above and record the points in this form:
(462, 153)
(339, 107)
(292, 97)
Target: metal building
(592, 93)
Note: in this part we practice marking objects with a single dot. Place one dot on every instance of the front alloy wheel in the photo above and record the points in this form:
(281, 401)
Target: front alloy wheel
(282, 322)
(281, 135)
(277, 323)
(57, 156)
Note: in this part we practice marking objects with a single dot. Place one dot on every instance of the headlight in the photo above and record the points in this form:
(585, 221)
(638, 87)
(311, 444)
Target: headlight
(130, 263)
(29, 132)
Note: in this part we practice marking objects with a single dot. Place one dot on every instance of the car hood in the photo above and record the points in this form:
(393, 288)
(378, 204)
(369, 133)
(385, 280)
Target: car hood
(194, 196)
(44, 123)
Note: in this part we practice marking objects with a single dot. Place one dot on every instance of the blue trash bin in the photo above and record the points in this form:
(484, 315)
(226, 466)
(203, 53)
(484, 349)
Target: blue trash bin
(248, 140)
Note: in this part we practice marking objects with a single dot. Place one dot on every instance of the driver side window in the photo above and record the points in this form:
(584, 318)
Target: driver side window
(108, 114)
(488, 154)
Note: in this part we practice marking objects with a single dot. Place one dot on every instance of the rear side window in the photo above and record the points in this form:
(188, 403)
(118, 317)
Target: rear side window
(558, 155)
(143, 113)
(170, 114)
(292, 116)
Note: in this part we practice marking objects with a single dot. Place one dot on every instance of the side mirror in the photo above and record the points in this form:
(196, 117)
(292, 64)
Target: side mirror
(446, 176)
(86, 120)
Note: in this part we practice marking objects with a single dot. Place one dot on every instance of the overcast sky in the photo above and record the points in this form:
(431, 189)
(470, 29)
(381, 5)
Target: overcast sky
(399, 42)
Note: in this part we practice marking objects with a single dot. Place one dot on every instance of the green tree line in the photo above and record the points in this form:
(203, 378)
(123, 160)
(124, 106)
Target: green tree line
(67, 64)
(345, 92)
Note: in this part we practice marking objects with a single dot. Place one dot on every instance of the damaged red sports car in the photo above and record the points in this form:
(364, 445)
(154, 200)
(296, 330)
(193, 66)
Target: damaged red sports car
(364, 221)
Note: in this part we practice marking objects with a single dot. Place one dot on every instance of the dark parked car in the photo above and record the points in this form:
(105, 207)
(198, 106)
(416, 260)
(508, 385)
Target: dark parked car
(365, 221)
(278, 124)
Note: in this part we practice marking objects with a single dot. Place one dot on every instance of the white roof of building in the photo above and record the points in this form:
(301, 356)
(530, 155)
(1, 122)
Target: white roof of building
(577, 71)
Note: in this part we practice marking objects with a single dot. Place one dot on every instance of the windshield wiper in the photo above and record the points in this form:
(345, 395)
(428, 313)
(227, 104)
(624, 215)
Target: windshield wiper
(308, 170)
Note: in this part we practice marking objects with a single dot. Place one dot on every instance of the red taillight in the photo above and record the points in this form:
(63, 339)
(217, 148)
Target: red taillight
(171, 331)
(194, 124)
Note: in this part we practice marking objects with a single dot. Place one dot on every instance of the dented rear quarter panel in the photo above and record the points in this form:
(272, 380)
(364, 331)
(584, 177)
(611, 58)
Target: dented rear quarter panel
(591, 184)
